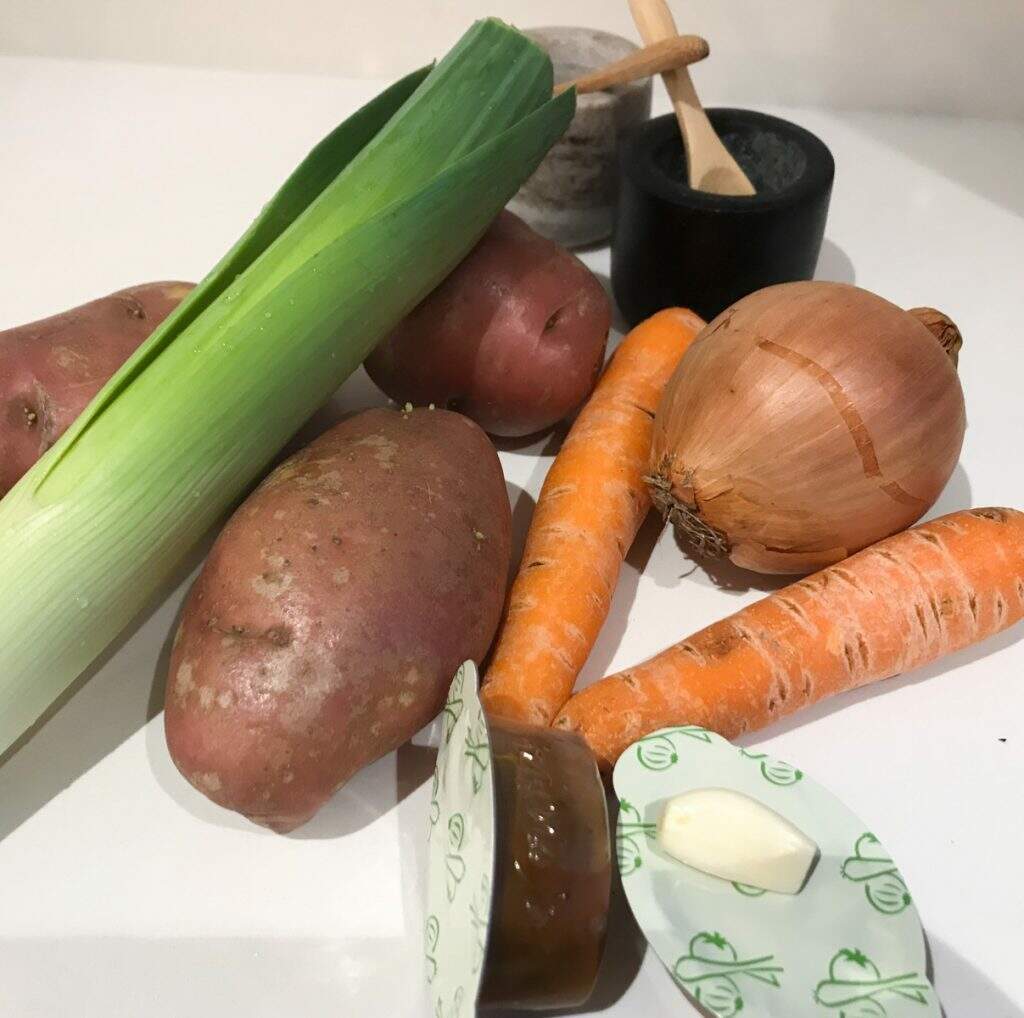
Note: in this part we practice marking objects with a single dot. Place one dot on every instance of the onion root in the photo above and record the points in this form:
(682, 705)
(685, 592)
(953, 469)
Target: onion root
(685, 520)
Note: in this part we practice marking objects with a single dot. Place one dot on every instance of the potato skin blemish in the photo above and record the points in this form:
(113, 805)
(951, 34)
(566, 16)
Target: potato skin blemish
(325, 627)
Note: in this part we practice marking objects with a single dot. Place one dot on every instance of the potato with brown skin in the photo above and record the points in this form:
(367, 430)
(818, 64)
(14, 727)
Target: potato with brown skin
(334, 609)
(51, 369)
(513, 338)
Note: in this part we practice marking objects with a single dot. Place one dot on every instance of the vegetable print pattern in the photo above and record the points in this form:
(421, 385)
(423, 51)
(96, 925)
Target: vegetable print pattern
(478, 749)
(479, 918)
(713, 970)
(430, 937)
(778, 772)
(629, 838)
(455, 865)
(435, 807)
(658, 752)
(870, 867)
(461, 854)
(856, 988)
(833, 950)
(453, 706)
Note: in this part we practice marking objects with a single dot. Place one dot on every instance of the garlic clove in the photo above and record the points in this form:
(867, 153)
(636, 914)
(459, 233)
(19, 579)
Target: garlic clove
(729, 835)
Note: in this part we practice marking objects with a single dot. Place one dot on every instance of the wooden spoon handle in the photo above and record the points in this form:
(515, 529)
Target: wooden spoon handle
(664, 55)
(711, 166)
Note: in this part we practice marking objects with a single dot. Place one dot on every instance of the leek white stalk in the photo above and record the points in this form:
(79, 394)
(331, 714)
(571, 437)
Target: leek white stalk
(380, 211)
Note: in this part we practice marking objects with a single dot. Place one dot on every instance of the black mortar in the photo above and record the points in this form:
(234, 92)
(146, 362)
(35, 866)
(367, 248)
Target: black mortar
(674, 246)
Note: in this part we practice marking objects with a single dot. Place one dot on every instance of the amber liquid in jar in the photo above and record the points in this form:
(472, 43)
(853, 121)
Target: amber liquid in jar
(552, 873)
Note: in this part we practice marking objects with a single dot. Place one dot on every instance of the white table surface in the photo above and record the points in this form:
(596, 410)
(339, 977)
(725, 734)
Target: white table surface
(124, 893)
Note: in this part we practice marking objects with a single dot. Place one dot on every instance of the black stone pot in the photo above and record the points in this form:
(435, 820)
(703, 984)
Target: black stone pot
(676, 246)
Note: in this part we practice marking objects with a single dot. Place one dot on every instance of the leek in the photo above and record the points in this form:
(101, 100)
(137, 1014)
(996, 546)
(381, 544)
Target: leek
(374, 218)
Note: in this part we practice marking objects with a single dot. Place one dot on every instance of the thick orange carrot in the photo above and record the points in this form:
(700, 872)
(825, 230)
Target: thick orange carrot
(590, 508)
(897, 605)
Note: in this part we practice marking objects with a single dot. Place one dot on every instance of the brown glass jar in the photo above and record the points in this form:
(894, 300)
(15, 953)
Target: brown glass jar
(552, 871)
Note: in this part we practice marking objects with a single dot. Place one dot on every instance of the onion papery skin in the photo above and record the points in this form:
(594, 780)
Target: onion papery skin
(806, 422)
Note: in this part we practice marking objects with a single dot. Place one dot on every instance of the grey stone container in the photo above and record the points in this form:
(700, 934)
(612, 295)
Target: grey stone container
(571, 197)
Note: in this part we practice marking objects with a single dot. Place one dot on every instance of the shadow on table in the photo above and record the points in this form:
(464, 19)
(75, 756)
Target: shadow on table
(834, 264)
(371, 793)
(963, 990)
(259, 976)
(614, 629)
(726, 576)
(107, 704)
(680, 562)
(956, 495)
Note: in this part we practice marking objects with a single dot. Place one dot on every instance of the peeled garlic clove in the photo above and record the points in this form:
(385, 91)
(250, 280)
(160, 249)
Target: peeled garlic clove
(732, 836)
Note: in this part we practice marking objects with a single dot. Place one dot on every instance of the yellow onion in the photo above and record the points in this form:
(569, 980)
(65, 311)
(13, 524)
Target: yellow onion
(807, 421)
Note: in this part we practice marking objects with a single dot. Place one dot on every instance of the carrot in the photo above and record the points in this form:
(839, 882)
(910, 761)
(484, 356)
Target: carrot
(589, 511)
(897, 605)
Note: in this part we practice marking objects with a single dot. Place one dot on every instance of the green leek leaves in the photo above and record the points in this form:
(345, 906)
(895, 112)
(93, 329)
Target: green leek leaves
(375, 217)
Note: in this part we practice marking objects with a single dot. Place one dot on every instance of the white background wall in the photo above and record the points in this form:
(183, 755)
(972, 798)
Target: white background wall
(946, 56)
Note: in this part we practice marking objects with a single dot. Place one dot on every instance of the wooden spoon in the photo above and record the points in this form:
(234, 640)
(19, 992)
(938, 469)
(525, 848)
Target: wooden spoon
(711, 166)
(664, 55)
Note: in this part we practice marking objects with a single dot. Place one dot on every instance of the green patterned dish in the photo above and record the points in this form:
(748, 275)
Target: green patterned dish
(849, 945)
(461, 839)
(520, 863)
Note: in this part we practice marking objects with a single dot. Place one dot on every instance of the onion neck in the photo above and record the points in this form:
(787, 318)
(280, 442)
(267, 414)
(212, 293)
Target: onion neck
(686, 520)
(943, 328)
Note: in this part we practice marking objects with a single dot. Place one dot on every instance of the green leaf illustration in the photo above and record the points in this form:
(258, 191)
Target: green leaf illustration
(454, 704)
(692, 732)
(455, 870)
(630, 819)
(478, 749)
(869, 865)
(455, 865)
(856, 988)
(778, 772)
(456, 831)
(435, 806)
(627, 854)
(713, 969)
(888, 895)
(721, 996)
(864, 1009)
(431, 935)
(454, 1010)
(629, 837)
(658, 752)
(479, 918)
(455, 691)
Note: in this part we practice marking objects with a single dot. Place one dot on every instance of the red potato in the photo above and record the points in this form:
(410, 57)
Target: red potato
(51, 369)
(334, 609)
(513, 338)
